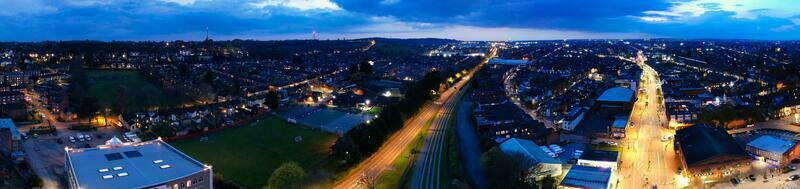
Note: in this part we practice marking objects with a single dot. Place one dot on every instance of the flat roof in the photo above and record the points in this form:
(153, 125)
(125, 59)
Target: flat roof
(772, 144)
(600, 155)
(616, 94)
(587, 177)
(527, 148)
(130, 165)
(8, 123)
(620, 122)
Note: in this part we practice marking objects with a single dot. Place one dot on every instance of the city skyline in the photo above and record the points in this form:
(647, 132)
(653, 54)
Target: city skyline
(108, 20)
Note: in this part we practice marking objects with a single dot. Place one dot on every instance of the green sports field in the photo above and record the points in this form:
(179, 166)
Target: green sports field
(248, 154)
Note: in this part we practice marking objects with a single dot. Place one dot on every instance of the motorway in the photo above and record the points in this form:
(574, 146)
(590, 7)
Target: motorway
(395, 144)
(646, 160)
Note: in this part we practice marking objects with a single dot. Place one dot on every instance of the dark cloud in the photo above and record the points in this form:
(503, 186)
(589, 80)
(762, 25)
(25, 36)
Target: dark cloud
(137, 20)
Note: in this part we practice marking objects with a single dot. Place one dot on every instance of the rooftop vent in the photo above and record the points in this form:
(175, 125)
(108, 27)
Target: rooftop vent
(122, 174)
(158, 161)
(165, 166)
(103, 170)
(117, 168)
(108, 176)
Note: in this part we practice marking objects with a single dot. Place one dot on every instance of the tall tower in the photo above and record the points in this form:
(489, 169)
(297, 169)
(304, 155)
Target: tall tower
(206, 33)
(314, 34)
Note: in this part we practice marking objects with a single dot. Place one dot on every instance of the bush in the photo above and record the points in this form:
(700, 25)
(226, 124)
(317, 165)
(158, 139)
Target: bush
(222, 183)
(36, 182)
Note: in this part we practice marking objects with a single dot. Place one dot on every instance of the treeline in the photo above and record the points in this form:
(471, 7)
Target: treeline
(365, 139)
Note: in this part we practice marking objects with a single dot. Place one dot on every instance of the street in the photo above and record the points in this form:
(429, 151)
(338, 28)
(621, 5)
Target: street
(646, 159)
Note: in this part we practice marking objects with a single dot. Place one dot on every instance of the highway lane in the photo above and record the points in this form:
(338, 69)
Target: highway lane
(394, 145)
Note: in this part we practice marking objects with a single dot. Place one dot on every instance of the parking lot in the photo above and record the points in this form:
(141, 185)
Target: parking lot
(45, 153)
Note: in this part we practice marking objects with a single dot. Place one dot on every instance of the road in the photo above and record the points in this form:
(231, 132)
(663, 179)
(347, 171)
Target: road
(427, 170)
(394, 145)
(646, 160)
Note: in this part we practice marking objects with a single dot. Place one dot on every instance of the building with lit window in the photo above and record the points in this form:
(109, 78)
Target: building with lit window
(152, 164)
(682, 113)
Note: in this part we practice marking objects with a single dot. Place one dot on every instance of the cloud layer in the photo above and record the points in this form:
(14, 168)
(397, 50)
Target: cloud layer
(34, 20)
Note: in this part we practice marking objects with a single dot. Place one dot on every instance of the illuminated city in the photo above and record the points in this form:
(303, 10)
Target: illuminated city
(350, 94)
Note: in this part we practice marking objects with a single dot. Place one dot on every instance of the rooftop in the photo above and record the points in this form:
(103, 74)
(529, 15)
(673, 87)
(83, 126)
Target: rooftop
(703, 142)
(600, 155)
(616, 94)
(8, 123)
(620, 122)
(587, 177)
(130, 165)
(772, 144)
(528, 149)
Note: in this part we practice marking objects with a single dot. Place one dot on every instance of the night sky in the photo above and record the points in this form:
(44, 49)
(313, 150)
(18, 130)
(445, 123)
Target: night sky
(35, 20)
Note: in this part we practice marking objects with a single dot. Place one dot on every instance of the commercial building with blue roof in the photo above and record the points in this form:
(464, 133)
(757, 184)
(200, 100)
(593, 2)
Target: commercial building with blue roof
(152, 164)
(773, 149)
(588, 177)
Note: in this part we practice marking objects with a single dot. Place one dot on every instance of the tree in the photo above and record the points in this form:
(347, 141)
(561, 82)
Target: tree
(272, 100)
(87, 108)
(290, 175)
(506, 171)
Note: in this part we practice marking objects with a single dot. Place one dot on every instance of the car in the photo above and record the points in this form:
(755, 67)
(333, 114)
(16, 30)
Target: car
(72, 139)
(735, 181)
(793, 167)
(793, 177)
(752, 177)
(666, 138)
(750, 125)
(24, 136)
(88, 138)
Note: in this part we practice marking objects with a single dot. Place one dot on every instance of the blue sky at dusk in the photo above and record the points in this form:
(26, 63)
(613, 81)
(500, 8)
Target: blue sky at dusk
(34, 20)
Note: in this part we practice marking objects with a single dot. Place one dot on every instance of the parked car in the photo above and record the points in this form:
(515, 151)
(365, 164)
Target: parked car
(735, 181)
(24, 136)
(752, 177)
(793, 177)
(88, 137)
(72, 139)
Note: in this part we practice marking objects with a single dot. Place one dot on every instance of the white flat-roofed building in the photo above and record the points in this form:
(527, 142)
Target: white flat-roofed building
(542, 164)
(151, 164)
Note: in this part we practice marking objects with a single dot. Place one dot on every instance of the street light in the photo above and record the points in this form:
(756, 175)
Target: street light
(797, 117)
